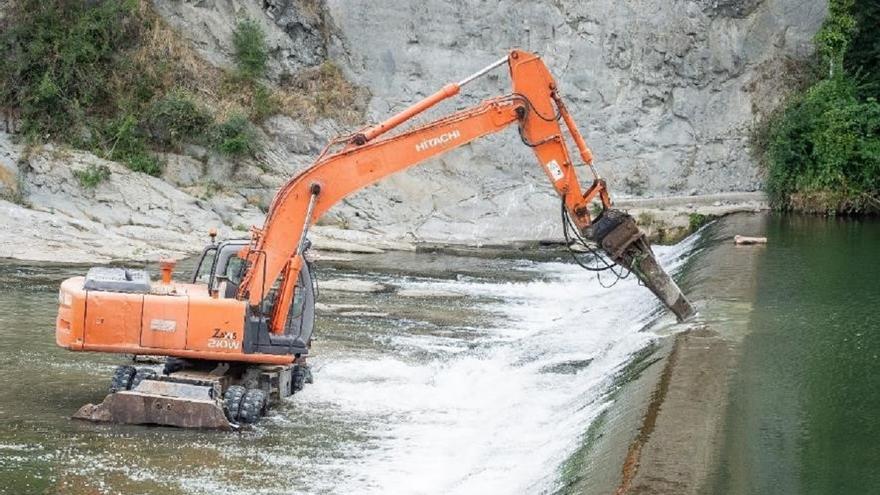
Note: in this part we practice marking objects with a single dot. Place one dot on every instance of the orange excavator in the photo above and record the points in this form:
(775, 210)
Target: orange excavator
(236, 337)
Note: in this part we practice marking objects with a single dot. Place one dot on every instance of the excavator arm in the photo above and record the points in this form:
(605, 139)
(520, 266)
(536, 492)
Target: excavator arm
(275, 253)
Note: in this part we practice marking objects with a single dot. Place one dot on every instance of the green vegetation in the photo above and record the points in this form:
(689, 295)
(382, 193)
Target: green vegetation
(110, 77)
(122, 140)
(697, 220)
(58, 60)
(236, 136)
(176, 118)
(823, 148)
(251, 52)
(92, 175)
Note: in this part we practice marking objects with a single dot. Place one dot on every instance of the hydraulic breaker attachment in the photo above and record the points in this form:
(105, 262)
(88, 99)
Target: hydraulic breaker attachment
(618, 235)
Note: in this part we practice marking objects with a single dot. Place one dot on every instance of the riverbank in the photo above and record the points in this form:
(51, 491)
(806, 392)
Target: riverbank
(87, 230)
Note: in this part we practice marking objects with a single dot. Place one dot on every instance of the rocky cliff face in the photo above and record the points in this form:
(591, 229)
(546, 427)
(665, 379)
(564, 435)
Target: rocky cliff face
(665, 91)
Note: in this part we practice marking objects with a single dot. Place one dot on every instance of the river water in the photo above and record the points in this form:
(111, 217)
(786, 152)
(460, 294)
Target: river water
(485, 393)
(491, 392)
(804, 414)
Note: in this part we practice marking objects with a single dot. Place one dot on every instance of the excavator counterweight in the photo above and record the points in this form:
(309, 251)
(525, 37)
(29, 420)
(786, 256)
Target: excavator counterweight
(250, 303)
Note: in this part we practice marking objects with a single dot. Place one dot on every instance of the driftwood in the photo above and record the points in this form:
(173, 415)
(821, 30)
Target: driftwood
(746, 240)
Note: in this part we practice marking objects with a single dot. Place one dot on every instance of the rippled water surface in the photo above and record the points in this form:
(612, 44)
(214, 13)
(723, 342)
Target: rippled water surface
(804, 413)
(485, 393)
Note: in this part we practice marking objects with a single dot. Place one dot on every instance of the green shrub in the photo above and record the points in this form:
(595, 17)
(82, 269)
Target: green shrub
(833, 39)
(120, 139)
(57, 58)
(823, 148)
(92, 175)
(264, 103)
(251, 52)
(863, 51)
(175, 118)
(697, 220)
(236, 137)
(826, 140)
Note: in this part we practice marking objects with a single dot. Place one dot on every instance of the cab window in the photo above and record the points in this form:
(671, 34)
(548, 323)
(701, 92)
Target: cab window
(234, 269)
(203, 274)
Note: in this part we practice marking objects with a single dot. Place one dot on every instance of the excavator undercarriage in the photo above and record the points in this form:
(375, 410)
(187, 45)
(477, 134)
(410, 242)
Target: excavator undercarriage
(204, 395)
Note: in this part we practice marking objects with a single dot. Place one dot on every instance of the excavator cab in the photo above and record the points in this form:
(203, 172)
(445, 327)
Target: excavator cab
(221, 269)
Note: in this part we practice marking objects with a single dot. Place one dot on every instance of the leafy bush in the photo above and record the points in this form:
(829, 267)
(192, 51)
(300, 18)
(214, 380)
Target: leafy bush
(863, 51)
(236, 136)
(823, 148)
(833, 39)
(57, 57)
(697, 220)
(174, 118)
(826, 140)
(121, 140)
(92, 175)
(251, 52)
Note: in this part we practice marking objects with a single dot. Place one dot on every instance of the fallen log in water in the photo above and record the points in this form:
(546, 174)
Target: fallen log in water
(746, 240)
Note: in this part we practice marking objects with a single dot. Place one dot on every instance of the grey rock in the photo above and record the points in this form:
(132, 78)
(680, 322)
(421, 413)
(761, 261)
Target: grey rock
(10, 183)
(181, 170)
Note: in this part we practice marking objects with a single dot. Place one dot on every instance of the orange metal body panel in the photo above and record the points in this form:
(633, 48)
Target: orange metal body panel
(164, 322)
(215, 325)
(71, 314)
(113, 319)
(204, 327)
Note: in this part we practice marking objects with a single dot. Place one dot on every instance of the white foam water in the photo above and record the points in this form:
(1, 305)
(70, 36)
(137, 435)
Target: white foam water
(500, 415)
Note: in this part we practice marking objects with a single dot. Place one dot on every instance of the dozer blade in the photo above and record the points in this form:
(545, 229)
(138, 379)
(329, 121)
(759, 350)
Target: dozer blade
(619, 236)
(160, 403)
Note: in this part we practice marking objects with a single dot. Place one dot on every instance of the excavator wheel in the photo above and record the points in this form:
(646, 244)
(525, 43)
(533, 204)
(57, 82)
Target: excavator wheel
(141, 375)
(253, 405)
(297, 379)
(122, 378)
(232, 402)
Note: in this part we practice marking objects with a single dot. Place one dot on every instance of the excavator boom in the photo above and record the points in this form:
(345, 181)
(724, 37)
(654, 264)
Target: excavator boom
(366, 157)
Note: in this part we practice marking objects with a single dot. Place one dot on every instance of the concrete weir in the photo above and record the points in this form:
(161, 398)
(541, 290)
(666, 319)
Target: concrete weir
(663, 432)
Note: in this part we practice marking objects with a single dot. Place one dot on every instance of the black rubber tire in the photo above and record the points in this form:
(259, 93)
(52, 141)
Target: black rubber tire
(122, 377)
(232, 402)
(253, 405)
(141, 375)
(297, 379)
